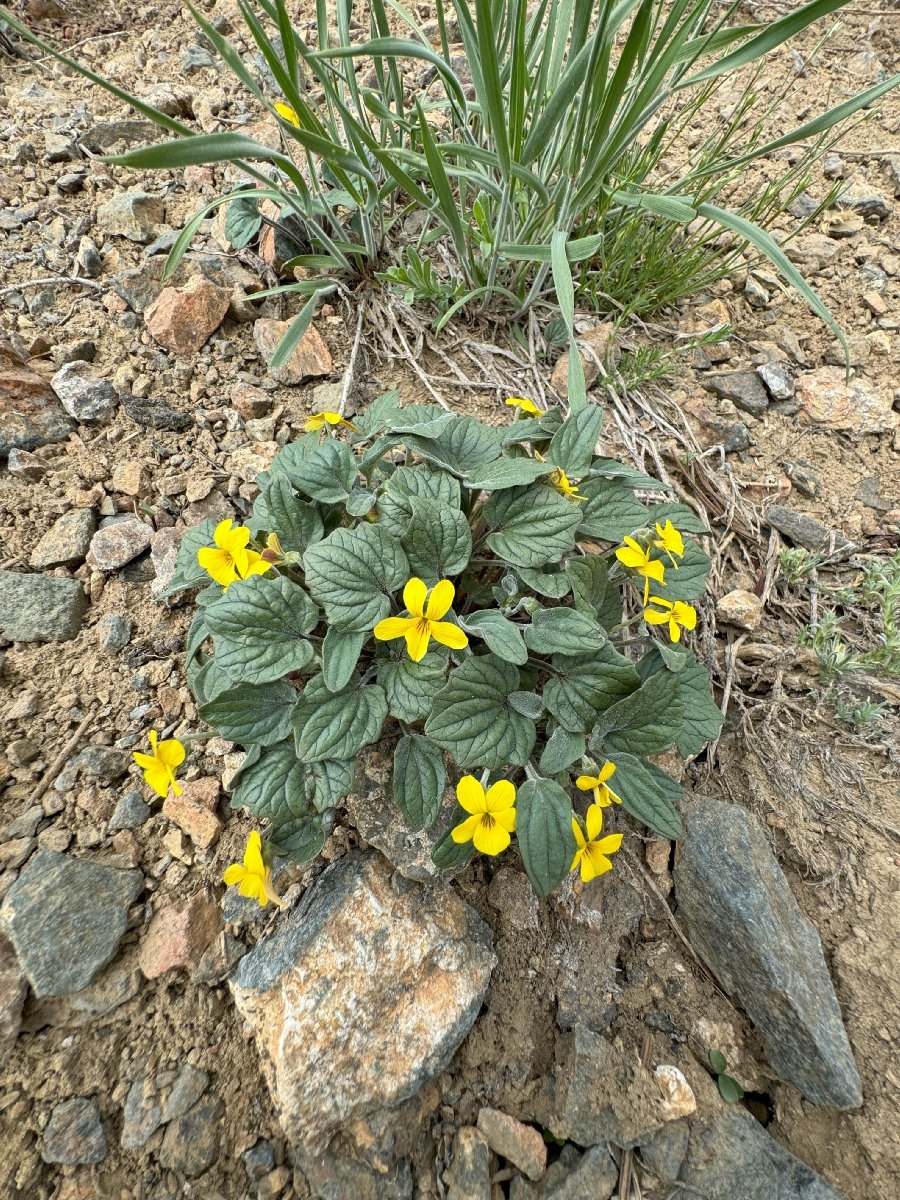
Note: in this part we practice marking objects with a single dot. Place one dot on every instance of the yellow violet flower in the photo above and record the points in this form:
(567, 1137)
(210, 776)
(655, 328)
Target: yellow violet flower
(319, 420)
(285, 111)
(561, 483)
(603, 795)
(592, 851)
(159, 767)
(633, 555)
(526, 407)
(230, 559)
(493, 816)
(671, 541)
(253, 877)
(678, 616)
(423, 623)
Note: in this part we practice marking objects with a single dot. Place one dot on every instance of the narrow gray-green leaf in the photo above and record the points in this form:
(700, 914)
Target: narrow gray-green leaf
(340, 654)
(272, 784)
(507, 473)
(544, 833)
(592, 590)
(419, 780)
(646, 722)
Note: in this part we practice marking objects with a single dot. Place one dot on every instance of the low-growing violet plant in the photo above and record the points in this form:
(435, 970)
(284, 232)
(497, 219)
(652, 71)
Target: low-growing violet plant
(454, 592)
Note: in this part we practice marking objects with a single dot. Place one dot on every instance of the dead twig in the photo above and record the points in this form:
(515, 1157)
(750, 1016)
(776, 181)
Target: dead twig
(351, 365)
(56, 766)
(18, 287)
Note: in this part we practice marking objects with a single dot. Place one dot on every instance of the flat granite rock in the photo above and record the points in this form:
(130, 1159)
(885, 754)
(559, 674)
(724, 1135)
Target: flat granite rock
(362, 995)
(39, 608)
(65, 917)
(744, 922)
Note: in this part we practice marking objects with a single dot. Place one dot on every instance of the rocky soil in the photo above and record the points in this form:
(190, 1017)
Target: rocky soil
(394, 1034)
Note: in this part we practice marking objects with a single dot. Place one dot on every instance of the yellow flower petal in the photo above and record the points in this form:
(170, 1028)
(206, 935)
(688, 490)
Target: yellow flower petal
(217, 563)
(653, 617)
(253, 859)
(490, 836)
(470, 795)
(606, 772)
(414, 595)
(525, 406)
(171, 752)
(579, 840)
(158, 777)
(392, 627)
(593, 863)
(255, 565)
(610, 844)
(315, 422)
(418, 636)
(594, 821)
(440, 600)
(448, 634)
(500, 796)
(251, 886)
(465, 831)
(285, 111)
(506, 819)
(685, 614)
(234, 874)
(586, 783)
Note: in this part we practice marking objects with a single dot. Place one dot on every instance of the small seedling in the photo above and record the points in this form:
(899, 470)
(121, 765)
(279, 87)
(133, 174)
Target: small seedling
(729, 1088)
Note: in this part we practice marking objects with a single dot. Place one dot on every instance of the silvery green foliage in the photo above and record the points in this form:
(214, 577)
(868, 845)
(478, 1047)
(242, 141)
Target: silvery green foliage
(286, 663)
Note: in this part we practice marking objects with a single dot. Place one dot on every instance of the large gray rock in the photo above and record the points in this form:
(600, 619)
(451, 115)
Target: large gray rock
(34, 608)
(82, 393)
(362, 995)
(66, 918)
(74, 1133)
(745, 923)
(733, 1158)
(67, 540)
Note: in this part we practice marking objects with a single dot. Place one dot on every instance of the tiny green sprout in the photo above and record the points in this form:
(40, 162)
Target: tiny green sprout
(796, 565)
(861, 714)
(426, 582)
(729, 1088)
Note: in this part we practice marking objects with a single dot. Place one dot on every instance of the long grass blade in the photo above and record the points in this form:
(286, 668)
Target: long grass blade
(565, 298)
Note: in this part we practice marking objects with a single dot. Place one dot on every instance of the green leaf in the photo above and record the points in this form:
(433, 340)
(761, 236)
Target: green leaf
(718, 1061)
(353, 573)
(242, 222)
(299, 839)
(584, 688)
(592, 590)
(337, 724)
(472, 719)
(702, 717)
(729, 1089)
(507, 473)
(501, 636)
(207, 680)
(648, 793)
(611, 512)
(563, 748)
(197, 635)
(529, 704)
(278, 510)
(272, 783)
(646, 722)
(448, 854)
(395, 506)
(532, 526)
(410, 686)
(328, 474)
(260, 626)
(290, 458)
(611, 468)
(544, 833)
(564, 631)
(463, 446)
(360, 501)
(572, 446)
(332, 780)
(188, 572)
(688, 582)
(380, 413)
(340, 654)
(419, 780)
(252, 715)
(552, 584)
(438, 540)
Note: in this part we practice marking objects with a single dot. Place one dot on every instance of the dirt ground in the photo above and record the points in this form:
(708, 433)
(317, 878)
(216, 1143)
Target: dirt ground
(828, 795)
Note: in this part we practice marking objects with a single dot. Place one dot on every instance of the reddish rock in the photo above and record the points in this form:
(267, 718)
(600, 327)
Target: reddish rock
(202, 826)
(178, 936)
(30, 414)
(827, 400)
(596, 348)
(251, 402)
(204, 792)
(181, 319)
(131, 479)
(310, 358)
(522, 1144)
